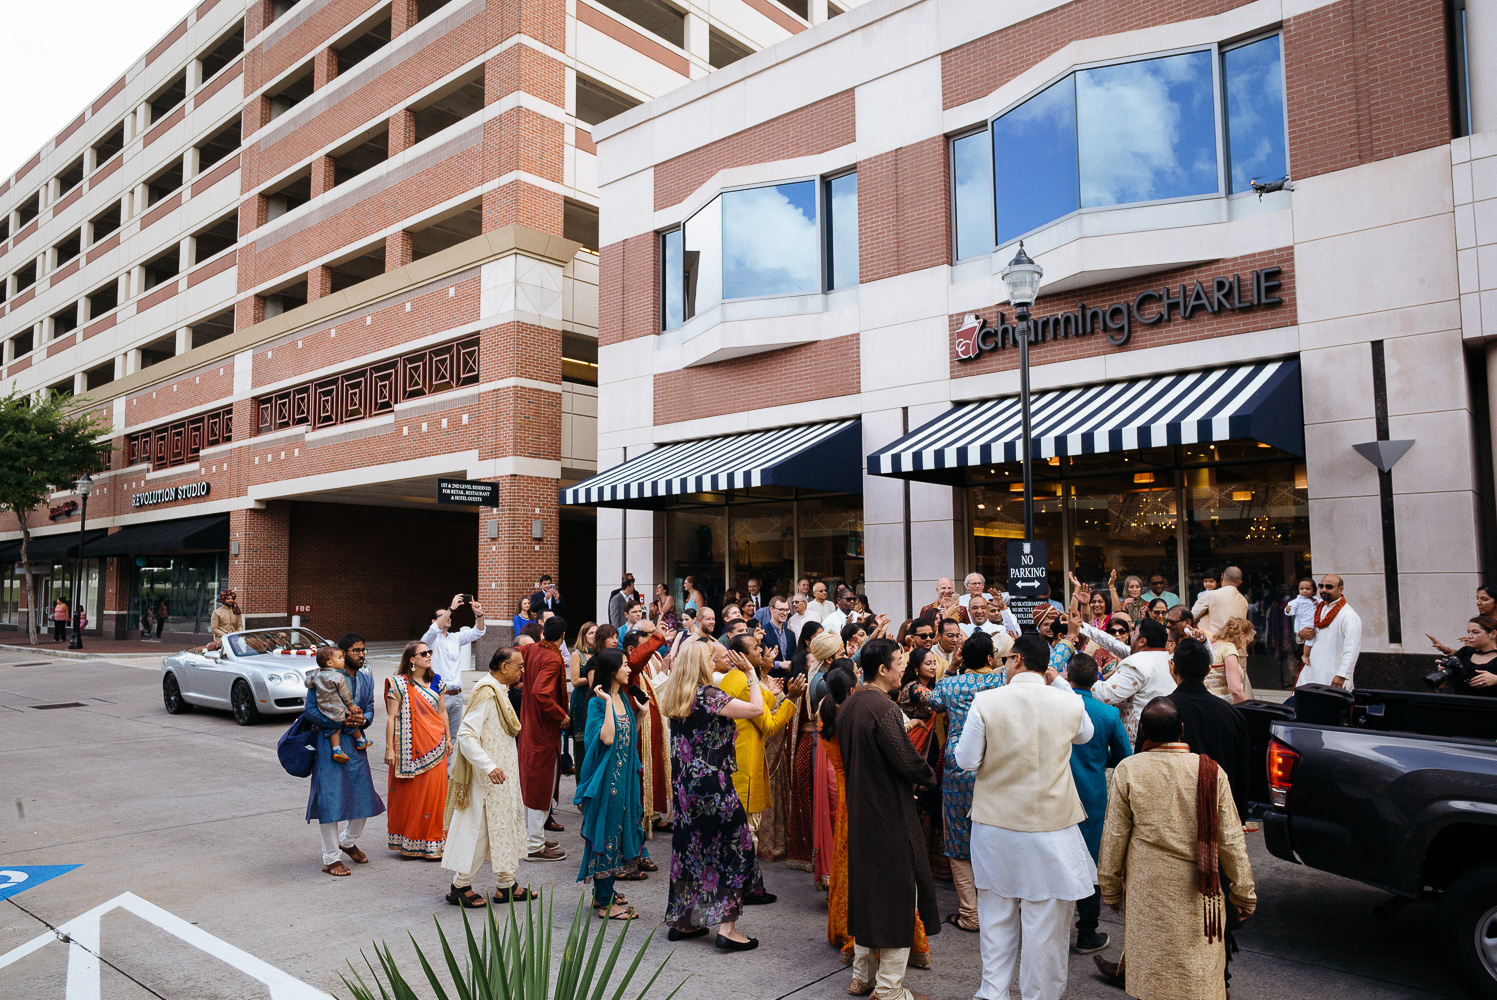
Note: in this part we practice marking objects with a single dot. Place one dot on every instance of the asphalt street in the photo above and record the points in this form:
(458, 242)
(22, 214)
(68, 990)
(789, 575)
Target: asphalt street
(193, 815)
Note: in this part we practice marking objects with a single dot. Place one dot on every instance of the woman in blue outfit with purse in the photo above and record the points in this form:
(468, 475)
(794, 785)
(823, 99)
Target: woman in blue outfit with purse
(608, 788)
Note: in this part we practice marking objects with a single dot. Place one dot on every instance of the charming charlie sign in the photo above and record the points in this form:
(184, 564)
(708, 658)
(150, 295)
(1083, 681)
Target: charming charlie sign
(187, 491)
(1150, 307)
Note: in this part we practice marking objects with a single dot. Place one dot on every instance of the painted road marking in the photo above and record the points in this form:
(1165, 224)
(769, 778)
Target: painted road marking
(23, 877)
(83, 940)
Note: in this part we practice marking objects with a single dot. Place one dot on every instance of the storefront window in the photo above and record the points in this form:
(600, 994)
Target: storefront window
(764, 546)
(697, 547)
(12, 586)
(997, 512)
(189, 584)
(1118, 522)
(831, 541)
(1255, 517)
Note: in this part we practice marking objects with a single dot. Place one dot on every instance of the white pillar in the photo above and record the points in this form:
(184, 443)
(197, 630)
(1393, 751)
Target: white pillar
(83, 315)
(119, 366)
(184, 340)
(698, 43)
(8, 351)
(137, 279)
(818, 11)
(90, 161)
(189, 163)
(124, 288)
(80, 384)
(187, 253)
(132, 361)
(194, 75)
(1481, 43)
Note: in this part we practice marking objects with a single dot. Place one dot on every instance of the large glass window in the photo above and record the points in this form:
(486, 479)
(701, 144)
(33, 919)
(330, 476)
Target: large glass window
(771, 243)
(189, 584)
(1253, 79)
(697, 547)
(702, 259)
(831, 541)
(842, 231)
(672, 305)
(1034, 161)
(997, 514)
(972, 199)
(764, 546)
(1147, 130)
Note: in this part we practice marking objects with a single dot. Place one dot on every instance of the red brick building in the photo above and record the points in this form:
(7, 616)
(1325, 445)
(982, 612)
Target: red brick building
(809, 364)
(306, 258)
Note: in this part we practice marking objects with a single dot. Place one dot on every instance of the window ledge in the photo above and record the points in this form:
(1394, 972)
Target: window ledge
(734, 329)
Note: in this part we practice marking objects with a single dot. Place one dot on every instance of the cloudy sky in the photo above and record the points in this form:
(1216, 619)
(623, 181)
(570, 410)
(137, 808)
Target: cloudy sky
(57, 57)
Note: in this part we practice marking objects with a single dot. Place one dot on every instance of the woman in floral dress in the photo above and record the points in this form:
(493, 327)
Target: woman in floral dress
(712, 850)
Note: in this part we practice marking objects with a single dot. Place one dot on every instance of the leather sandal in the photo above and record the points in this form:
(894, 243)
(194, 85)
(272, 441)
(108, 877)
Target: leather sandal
(358, 856)
(634, 876)
(955, 920)
(646, 865)
(337, 868)
(516, 893)
(465, 897)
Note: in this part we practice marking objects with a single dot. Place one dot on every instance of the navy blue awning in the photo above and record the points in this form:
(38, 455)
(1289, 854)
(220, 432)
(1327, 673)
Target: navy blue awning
(814, 457)
(1259, 402)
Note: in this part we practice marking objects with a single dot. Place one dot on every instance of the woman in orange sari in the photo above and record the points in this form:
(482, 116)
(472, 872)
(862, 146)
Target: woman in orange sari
(840, 682)
(416, 743)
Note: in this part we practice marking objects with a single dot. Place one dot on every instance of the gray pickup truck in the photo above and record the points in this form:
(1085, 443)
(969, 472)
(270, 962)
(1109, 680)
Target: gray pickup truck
(1396, 789)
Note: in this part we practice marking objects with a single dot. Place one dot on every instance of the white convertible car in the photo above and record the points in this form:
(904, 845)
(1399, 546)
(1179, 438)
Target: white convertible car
(251, 673)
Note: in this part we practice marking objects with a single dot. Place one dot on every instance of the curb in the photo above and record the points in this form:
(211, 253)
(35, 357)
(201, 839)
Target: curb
(69, 654)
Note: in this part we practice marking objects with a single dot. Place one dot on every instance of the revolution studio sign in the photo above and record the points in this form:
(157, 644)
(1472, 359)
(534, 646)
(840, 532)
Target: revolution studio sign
(169, 494)
(976, 336)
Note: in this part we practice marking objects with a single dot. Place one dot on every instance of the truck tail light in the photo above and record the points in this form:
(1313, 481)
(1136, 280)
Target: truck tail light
(1282, 761)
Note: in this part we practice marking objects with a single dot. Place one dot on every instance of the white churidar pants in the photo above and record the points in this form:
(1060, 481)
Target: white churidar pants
(337, 835)
(1045, 928)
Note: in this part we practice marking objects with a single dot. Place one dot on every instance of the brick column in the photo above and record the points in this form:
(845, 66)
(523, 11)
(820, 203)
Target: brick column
(403, 18)
(402, 131)
(397, 250)
(319, 283)
(259, 573)
(324, 68)
(256, 115)
(324, 174)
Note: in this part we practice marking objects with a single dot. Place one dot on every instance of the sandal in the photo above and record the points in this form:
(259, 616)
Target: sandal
(519, 894)
(626, 914)
(358, 856)
(955, 921)
(337, 868)
(634, 876)
(646, 865)
(465, 897)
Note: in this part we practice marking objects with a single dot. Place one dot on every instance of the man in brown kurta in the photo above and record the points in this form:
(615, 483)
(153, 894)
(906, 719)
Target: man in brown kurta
(888, 875)
(1149, 866)
(543, 715)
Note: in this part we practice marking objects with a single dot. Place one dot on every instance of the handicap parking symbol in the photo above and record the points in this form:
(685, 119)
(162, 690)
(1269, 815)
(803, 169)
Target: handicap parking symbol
(19, 878)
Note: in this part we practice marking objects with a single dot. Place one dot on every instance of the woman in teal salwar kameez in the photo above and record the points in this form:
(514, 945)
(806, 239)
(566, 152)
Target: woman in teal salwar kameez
(608, 789)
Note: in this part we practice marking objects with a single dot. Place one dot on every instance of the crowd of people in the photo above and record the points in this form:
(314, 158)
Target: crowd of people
(962, 745)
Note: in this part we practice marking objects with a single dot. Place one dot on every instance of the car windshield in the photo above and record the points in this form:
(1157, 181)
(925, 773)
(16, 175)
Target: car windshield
(274, 640)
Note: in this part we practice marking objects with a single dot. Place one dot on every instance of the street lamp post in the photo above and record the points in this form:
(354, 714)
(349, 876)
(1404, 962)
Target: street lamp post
(1022, 278)
(85, 486)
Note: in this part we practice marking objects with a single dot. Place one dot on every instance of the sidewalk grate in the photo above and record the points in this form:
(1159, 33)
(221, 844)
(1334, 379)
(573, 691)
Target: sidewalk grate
(61, 704)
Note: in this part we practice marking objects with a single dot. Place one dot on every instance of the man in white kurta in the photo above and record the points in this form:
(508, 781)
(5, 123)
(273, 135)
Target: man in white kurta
(1030, 862)
(1141, 677)
(1338, 638)
(488, 822)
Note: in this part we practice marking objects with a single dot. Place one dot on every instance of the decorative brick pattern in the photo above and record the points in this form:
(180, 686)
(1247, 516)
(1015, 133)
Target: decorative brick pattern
(371, 390)
(179, 443)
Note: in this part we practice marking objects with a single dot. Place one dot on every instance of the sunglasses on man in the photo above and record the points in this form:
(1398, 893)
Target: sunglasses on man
(925, 636)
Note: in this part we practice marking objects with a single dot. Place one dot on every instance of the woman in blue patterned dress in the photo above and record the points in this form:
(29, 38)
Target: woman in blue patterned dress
(712, 850)
(608, 789)
(984, 659)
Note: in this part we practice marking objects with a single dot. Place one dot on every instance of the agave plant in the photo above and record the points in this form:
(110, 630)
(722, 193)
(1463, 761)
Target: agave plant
(511, 966)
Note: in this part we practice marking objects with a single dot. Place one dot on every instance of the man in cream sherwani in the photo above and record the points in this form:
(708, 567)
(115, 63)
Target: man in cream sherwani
(1030, 862)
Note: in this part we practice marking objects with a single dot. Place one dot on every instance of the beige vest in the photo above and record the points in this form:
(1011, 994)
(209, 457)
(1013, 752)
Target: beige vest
(1024, 782)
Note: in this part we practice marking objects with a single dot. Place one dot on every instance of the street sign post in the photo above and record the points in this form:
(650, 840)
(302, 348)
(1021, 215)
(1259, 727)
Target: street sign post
(470, 492)
(1026, 575)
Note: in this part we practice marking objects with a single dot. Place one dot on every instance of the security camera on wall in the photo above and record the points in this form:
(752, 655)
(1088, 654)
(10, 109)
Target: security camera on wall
(1269, 187)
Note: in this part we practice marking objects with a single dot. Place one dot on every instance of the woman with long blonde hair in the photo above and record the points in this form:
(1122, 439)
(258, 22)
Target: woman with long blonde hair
(712, 850)
(1228, 679)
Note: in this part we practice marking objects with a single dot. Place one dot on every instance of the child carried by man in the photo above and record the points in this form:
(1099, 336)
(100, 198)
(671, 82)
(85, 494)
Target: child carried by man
(335, 698)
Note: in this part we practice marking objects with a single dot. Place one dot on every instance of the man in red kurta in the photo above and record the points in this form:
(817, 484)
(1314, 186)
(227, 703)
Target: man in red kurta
(543, 716)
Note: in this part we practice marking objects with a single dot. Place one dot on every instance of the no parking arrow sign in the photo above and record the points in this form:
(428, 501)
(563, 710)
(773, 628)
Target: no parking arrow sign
(22, 877)
(1027, 570)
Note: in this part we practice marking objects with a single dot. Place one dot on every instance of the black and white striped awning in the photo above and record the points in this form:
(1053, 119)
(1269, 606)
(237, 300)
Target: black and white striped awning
(814, 456)
(1258, 402)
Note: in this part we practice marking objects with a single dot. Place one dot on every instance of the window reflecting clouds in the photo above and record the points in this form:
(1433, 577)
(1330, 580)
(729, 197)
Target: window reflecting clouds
(672, 308)
(1034, 161)
(702, 259)
(771, 245)
(973, 199)
(842, 231)
(1148, 130)
(1253, 78)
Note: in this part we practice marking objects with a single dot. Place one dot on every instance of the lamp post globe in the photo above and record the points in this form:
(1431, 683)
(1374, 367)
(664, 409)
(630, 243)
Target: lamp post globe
(84, 484)
(1022, 279)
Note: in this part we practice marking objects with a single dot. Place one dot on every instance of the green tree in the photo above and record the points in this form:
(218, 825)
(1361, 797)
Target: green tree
(44, 445)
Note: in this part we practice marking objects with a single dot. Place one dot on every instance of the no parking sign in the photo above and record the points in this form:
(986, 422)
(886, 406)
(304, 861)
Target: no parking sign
(19, 878)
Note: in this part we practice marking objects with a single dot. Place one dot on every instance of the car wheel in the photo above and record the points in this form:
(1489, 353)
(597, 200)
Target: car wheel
(171, 695)
(243, 701)
(1468, 917)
